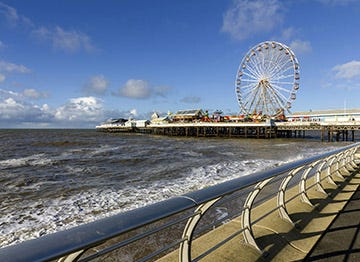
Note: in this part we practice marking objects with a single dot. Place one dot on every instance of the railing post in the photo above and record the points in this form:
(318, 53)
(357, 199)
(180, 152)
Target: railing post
(185, 246)
(281, 196)
(246, 214)
(337, 172)
(72, 257)
(303, 195)
(319, 187)
(352, 158)
(329, 172)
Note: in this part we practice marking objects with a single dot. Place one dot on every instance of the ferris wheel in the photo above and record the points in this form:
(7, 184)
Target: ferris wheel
(267, 79)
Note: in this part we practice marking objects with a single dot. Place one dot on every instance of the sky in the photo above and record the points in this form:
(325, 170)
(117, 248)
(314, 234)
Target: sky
(74, 64)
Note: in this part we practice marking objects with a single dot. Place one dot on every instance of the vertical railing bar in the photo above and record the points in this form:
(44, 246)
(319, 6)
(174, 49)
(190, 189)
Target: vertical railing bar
(319, 187)
(185, 246)
(281, 195)
(245, 217)
(329, 171)
(337, 172)
(302, 184)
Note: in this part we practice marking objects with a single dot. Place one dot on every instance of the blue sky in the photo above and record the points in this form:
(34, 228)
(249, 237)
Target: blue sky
(77, 63)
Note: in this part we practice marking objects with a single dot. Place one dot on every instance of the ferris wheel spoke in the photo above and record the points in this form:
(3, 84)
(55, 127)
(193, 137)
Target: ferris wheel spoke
(253, 68)
(250, 80)
(279, 94)
(282, 70)
(248, 95)
(251, 85)
(279, 88)
(282, 82)
(277, 61)
(249, 75)
(291, 76)
(252, 72)
(277, 100)
(264, 101)
(281, 60)
(271, 104)
(256, 63)
(251, 97)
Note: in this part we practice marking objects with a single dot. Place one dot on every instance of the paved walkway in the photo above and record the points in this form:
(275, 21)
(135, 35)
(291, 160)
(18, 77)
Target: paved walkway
(327, 231)
(341, 241)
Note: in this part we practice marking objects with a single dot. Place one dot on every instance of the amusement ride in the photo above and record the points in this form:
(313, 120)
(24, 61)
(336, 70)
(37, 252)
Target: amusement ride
(267, 80)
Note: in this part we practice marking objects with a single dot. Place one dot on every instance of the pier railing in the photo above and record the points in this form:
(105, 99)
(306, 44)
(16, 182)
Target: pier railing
(175, 226)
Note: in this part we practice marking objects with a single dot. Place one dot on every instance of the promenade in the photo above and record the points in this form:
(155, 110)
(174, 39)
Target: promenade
(341, 240)
(307, 210)
(328, 231)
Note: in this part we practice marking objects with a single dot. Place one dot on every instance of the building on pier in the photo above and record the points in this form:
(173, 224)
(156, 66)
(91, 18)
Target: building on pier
(326, 116)
(188, 115)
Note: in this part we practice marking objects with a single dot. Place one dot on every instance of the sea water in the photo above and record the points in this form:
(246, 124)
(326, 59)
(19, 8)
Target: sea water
(53, 180)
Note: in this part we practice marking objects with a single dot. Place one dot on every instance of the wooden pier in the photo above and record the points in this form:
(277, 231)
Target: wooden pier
(330, 131)
(327, 131)
(259, 130)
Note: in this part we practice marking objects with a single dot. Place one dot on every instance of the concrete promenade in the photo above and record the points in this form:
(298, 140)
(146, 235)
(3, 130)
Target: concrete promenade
(327, 231)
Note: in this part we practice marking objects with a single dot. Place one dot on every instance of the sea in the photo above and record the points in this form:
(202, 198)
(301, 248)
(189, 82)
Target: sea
(53, 180)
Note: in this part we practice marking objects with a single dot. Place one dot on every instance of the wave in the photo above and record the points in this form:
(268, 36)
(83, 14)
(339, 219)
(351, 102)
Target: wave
(33, 160)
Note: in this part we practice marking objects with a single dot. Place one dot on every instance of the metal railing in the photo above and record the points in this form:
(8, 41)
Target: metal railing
(173, 224)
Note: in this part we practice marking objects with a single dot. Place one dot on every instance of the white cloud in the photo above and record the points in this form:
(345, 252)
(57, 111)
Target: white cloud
(96, 85)
(190, 100)
(83, 109)
(300, 47)
(2, 45)
(10, 67)
(69, 41)
(348, 70)
(16, 110)
(7, 68)
(337, 2)
(2, 78)
(12, 17)
(344, 76)
(140, 89)
(247, 18)
(288, 33)
(162, 91)
(34, 94)
(135, 89)
(65, 40)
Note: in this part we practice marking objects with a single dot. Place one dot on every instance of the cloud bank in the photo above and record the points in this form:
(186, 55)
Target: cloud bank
(348, 70)
(96, 85)
(16, 111)
(68, 41)
(246, 18)
(141, 89)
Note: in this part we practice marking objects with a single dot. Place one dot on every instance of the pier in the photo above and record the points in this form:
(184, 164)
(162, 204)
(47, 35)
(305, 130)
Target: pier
(327, 131)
